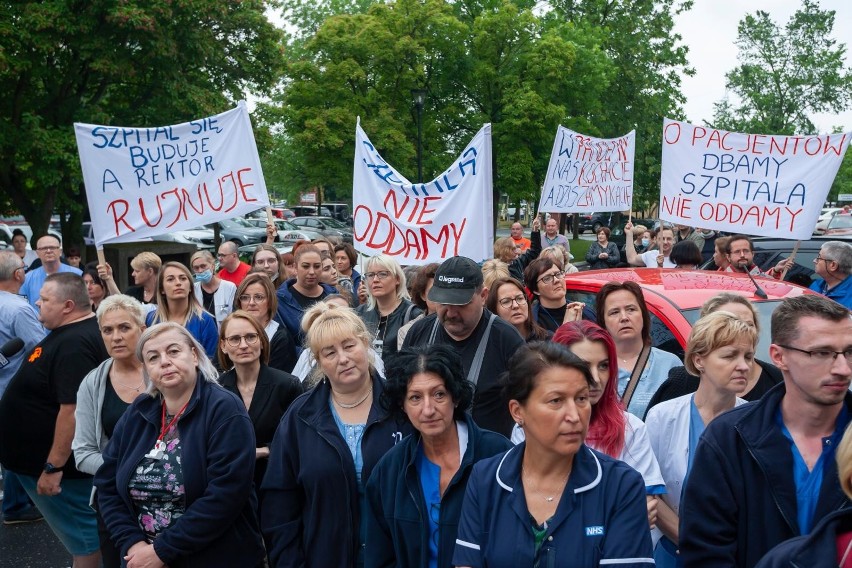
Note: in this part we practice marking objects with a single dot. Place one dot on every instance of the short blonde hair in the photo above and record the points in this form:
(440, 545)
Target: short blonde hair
(146, 260)
(722, 298)
(121, 302)
(205, 366)
(558, 255)
(390, 264)
(713, 331)
(843, 455)
(639, 230)
(493, 270)
(325, 324)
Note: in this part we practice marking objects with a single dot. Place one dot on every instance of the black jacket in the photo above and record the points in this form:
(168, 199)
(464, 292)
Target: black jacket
(740, 497)
(274, 393)
(816, 550)
(397, 517)
(404, 313)
(517, 266)
(310, 513)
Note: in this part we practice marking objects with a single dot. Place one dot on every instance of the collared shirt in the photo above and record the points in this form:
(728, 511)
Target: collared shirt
(809, 482)
(35, 280)
(17, 319)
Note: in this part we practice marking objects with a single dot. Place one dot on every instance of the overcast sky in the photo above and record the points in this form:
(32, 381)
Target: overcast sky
(710, 29)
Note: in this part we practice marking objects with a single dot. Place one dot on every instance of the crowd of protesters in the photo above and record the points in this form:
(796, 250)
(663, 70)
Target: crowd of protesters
(293, 411)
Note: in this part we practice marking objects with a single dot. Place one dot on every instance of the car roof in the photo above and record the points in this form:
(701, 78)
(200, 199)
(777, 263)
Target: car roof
(685, 289)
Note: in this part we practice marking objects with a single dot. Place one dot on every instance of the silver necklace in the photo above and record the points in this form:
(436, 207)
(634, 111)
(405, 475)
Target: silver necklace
(136, 389)
(354, 404)
(548, 498)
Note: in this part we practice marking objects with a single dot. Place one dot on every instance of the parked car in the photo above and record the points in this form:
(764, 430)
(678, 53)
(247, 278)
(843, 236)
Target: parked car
(287, 231)
(201, 237)
(310, 210)
(674, 298)
(768, 251)
(594, 221)
(840, 224)
(241, 232)
(6, 230)
(339, 211)
(246, 251)
(328, 226)
(824, 218)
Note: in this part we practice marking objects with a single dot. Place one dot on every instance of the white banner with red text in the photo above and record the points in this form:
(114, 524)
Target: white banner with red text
(419, 223)
(756, 184)
(142, 182)
(588, 174)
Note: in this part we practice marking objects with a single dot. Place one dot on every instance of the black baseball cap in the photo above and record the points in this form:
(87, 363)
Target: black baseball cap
(455, 281)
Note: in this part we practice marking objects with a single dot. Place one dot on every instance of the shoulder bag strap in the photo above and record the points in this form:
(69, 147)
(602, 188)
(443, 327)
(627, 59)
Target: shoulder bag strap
(634, 376)
(407, 317)
(476, 365)
(434, 332)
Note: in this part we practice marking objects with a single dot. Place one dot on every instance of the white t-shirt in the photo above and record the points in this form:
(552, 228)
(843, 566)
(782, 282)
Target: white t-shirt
(650, 259)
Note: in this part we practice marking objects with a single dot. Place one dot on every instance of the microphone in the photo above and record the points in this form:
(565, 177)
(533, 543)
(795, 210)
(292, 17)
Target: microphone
(10, 349)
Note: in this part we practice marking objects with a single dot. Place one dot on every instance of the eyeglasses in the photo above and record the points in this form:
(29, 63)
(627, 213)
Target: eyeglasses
(247, 298)
(823, 356)
(223, 255)
(549, 278)
(381, 275)
(507, 302)
(820, 258)
(234, 340)
(49, 248)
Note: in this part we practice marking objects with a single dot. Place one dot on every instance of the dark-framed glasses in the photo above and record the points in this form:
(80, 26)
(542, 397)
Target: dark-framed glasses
(235, 340)
(507, 302)
(822, 356)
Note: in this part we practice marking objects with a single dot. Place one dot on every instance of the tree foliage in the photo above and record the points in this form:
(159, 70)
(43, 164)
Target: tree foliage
(596, 66)
(134, 62)
(648, 59)
(785, 75)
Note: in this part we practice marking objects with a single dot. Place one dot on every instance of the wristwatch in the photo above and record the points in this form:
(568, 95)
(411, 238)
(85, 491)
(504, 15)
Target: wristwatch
(50, 468)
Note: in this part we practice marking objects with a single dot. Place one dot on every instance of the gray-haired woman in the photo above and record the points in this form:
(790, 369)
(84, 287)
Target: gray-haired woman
(175, 487)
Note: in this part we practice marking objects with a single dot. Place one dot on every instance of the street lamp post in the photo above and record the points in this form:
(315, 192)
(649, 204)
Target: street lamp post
(419, 98)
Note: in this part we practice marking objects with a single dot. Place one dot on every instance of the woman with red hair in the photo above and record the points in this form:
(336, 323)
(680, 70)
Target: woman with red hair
(612, 431)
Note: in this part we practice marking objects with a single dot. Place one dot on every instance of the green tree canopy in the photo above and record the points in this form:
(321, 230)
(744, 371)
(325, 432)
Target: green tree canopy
(136, 62)
(785, 75)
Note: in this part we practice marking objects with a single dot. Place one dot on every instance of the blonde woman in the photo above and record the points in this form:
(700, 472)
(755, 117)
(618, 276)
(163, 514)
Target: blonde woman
(176, 302)
(308, 496)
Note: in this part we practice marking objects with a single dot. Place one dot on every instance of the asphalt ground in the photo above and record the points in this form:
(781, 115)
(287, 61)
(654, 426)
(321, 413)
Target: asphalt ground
(31, 545)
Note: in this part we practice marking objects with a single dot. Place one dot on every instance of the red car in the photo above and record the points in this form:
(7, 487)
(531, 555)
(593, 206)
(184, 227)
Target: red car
(674, 298)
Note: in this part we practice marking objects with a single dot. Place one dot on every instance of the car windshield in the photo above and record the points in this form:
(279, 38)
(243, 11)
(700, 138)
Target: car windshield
(764, 314)
(237, 222)
(286, 225)
(334, 223)
(841, 221)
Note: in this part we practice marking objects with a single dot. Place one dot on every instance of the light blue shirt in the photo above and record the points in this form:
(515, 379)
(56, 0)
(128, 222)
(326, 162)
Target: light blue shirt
(656, 371)
(17, 319)
(35, 280)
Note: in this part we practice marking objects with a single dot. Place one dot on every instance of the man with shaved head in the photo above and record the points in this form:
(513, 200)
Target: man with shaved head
(517, 233)
(233, 269)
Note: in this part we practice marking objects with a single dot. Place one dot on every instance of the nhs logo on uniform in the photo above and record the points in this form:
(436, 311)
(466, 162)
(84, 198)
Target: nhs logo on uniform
(595, 531)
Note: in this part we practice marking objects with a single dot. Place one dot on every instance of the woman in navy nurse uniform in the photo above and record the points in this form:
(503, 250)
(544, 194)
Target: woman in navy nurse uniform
(552, 502)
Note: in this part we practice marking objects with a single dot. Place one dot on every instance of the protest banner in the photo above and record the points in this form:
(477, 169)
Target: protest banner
(755, 184)
(588, 174)
(418, 223)
(142, 182)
